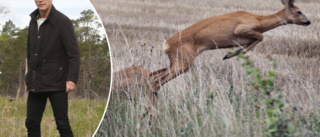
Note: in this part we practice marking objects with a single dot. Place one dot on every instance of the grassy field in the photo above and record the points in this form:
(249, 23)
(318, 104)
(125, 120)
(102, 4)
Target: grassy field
(84, 115)
(214, 98)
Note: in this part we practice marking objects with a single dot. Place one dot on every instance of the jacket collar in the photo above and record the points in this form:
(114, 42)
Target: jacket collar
(36, 14)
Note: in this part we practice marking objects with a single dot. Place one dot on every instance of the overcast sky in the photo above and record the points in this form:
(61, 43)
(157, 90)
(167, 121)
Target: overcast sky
(19, 10)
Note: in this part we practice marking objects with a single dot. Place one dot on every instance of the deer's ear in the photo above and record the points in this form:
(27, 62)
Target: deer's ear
(287, 3)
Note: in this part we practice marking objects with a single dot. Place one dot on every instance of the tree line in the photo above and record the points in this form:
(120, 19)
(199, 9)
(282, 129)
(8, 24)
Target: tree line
(95, 68)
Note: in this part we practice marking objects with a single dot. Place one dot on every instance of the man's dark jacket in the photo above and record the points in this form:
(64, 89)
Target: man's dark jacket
(52, 53)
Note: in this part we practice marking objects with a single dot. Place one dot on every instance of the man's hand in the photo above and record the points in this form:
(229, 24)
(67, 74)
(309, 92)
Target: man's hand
(70, 86)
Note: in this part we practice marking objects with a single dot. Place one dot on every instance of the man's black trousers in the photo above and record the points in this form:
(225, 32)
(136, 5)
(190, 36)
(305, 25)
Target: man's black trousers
(36, 104)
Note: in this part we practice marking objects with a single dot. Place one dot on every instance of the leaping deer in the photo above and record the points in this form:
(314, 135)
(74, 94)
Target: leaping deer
(224, 31)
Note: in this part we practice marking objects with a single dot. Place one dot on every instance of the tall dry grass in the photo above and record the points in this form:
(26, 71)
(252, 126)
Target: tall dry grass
(214, 97)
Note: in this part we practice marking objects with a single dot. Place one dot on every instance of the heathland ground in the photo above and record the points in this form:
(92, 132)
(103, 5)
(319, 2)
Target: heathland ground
(84, 116)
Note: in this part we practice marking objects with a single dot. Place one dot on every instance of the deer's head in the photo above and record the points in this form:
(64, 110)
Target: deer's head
(294, 14)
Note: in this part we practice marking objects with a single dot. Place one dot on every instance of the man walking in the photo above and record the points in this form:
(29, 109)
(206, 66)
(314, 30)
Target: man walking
(53, 67)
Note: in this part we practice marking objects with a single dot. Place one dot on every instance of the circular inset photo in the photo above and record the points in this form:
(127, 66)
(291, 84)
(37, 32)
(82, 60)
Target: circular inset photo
(55, 68)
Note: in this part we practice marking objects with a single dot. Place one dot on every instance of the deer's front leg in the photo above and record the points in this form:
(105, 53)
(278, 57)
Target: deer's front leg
(243, 51)
(246, 31)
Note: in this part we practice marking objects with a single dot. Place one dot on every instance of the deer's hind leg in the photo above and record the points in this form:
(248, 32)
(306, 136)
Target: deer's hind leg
(180, 62)
(151, 92)
(157, 73)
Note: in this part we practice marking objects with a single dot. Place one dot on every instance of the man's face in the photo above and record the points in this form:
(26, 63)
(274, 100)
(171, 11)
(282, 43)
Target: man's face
(43, 5)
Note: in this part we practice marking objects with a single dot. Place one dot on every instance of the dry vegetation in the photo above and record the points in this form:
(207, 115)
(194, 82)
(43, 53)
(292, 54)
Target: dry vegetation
(213, 98)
